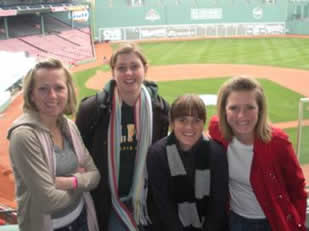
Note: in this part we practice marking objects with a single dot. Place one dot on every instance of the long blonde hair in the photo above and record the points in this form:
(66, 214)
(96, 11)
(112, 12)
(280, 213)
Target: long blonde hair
(241, 83)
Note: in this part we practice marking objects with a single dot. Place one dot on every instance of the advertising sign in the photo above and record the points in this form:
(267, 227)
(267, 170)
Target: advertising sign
(4, 13)
(112, 34)
(58, 8)
(153, 33)
(80, 16)
(206, 13)
(77, 8)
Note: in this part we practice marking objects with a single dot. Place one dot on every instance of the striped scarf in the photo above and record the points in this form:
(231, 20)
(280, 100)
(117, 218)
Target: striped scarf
(192, 194)
(143, 123)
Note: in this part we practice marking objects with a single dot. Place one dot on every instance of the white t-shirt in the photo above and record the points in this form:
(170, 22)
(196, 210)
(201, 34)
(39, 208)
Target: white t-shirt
(243, 200)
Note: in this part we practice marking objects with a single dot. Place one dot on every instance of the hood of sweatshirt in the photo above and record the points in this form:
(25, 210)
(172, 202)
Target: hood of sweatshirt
(30, 119)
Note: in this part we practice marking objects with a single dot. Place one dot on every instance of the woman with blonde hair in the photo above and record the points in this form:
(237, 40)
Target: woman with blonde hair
(266, 182)
(52, 167)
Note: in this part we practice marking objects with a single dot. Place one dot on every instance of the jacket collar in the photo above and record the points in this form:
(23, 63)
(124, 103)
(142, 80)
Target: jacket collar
(108, 90)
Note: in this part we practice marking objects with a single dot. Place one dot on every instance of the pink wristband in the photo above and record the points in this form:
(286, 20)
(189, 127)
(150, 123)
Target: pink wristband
(75, 182)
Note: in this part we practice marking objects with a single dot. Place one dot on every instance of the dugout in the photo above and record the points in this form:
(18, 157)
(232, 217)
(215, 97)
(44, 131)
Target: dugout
(39, 17)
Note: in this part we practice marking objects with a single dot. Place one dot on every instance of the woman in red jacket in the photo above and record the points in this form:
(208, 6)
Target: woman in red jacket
(266, 183)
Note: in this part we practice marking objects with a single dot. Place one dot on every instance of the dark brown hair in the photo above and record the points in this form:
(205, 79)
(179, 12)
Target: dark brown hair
(188, 105)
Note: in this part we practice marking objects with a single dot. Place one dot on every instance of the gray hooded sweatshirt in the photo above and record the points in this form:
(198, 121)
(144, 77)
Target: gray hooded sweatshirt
(32, 157)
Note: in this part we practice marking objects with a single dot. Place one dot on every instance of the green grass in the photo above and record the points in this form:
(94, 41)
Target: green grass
(80, 79)
(304, 149)
(306, 110)
(281, 52)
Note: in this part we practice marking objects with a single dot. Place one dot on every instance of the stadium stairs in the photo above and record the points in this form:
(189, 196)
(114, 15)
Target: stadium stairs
(71, 46)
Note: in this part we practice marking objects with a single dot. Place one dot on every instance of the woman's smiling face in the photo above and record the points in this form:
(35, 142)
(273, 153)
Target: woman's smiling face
(50, 92)
(242, 114)
(129, 73)
(188, 130)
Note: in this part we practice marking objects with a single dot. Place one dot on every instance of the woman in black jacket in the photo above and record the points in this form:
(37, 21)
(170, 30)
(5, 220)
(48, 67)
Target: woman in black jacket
(118, 125)
(188, 173)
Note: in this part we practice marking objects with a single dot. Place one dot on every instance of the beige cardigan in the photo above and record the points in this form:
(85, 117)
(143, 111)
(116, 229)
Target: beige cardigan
(33, 163)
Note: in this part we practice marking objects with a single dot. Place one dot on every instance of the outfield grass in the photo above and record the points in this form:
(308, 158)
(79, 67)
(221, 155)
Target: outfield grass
(281, 52)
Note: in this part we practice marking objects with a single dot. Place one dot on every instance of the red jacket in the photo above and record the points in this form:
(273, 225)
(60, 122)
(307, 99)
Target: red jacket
(277, 180)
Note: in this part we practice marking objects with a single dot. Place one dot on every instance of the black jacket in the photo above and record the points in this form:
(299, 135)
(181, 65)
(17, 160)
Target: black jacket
(165, 192)
(93, 119)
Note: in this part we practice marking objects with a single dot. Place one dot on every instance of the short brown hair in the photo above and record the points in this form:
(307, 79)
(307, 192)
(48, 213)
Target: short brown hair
(242, 83)
(29, 81)
(188, 105)
(127, 48)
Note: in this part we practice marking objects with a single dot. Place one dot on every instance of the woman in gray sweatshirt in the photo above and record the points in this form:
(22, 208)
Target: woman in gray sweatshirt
(52, 167)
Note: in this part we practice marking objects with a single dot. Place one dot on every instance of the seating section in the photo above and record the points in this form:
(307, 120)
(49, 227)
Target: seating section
(71, 46)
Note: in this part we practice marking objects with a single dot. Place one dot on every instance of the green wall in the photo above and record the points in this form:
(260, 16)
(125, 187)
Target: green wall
(119, 14)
